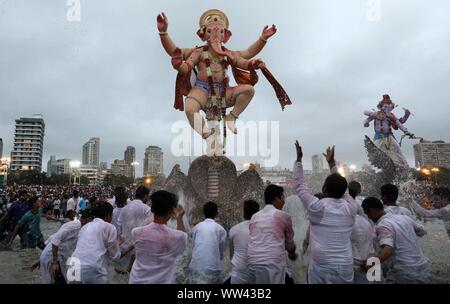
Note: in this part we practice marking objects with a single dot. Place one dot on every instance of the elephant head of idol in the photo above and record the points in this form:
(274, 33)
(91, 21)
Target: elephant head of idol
(214, 30)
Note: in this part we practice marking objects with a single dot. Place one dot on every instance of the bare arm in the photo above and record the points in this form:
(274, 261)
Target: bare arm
(385, 253)
(300, 186)
(180, 222)
(14, 234)
(329, 155)
(259, 44)
(186, 66)
(405, 116)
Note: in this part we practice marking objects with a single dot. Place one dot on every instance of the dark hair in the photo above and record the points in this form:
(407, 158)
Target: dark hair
(32, 200)
(210, 210)
(335, 186)
(319, 195)
(389, 192)
(86, 213)
(103, 210)
(354, 188)
(371, 203)
(250, 208)
(119, 189)
(69, 212)
(272, 191)
(121, 199)
(75, 193)
(141, 192)
(163, 202)
(23, 192)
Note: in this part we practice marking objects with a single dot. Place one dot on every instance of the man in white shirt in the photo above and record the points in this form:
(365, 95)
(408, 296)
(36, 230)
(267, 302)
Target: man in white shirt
(397, 235)
(156, 245)
(389, 196)
(72, 203)
(362, 238)
(59, 248)
(271, 235)
(135, 214)
(239, 238)
(97, 246)
(209, 239)
(442, 213)
(331, 223)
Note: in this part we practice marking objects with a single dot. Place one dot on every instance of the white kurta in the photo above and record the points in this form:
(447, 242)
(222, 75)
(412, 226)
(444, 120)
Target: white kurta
(362, 238)
(157, 247)
(96, 247)
(209, 240)
(134, 214)
(408, 263)
(72, 204)
(239, 238)
(398, 210)
(66, 239)
(271, 233)
(332, 220)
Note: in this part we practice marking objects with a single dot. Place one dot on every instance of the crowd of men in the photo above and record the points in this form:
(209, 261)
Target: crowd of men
(349, 239)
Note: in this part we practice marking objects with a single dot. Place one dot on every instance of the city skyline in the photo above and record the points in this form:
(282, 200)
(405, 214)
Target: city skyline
(120, 87)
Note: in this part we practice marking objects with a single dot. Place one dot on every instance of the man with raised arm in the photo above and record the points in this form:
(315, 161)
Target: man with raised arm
(331, 222)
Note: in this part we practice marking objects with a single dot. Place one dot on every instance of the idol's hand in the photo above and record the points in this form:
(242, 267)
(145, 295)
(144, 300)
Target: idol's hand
(162, 22)
(177, 58)
(268, 31)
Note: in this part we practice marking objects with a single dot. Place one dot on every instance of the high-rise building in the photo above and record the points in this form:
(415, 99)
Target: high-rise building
(58, 166)
(118, 167)
(153, 161)
(317, 163)
(103, 166)
(1, 148)
(432, 154)
(28, 144)
(91, 152)
(130, 158)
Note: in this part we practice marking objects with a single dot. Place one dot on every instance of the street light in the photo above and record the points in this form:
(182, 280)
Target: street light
(148, 181)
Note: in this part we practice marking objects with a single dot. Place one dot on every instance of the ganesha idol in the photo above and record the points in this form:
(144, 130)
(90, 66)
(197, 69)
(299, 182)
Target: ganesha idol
(208, 65)
(385, 122)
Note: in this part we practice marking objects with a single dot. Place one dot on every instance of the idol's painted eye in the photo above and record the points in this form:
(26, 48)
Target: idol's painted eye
(208, 31)
(221, 31)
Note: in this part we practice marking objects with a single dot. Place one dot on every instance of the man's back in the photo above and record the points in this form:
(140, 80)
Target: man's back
(398, 210)
(208, 245)
(157, 246)
(362, 238)
(400, 232)
(332, 222)
(270, 229)
(134, 214)
(97, 243)
(239, 237)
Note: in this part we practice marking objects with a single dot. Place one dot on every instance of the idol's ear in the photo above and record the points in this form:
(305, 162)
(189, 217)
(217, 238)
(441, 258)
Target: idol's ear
(227, 36)
(201, 34)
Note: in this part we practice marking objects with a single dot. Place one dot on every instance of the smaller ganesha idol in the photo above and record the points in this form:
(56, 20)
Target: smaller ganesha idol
(384, 123)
